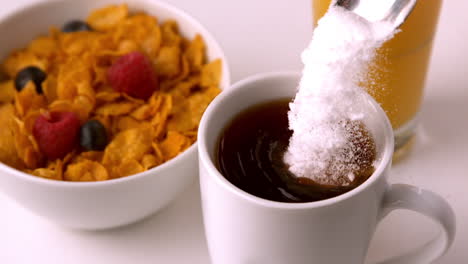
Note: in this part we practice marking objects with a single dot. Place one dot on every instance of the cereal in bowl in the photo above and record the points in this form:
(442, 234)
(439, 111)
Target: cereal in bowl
(112, 96)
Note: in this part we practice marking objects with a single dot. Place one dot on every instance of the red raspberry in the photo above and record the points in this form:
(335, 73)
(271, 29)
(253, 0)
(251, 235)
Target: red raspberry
(56, 133)
(133, 74)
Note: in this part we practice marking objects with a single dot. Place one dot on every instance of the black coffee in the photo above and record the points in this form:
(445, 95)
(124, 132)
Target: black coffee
(250, 155)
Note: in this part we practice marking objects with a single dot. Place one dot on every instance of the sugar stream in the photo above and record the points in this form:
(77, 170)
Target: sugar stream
(329, 97)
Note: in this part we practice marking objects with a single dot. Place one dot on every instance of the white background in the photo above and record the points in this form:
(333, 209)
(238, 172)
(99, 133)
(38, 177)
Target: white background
(259, 36)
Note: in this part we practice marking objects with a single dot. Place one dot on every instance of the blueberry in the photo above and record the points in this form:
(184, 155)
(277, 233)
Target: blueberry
(30, 73)
(76, 25)
(93, 135)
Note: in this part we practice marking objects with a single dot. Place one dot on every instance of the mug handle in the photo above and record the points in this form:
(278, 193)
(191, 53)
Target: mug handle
(403, 196)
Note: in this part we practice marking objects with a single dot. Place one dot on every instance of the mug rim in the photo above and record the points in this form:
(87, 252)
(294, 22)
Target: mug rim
(214, 173)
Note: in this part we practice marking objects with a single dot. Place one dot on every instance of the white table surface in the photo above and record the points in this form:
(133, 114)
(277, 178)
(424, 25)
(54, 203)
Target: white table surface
(259, 36)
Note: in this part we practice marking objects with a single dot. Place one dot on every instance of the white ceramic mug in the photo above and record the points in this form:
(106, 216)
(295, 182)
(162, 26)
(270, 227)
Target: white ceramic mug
(244, 229)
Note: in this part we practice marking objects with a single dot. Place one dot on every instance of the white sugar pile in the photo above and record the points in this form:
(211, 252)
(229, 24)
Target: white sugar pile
(329, 96)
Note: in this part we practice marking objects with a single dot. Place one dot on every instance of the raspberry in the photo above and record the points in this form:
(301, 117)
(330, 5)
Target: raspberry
(133, 74)
(56, 133)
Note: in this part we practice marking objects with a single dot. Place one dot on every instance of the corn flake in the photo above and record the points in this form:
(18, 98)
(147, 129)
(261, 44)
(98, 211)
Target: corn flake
(122, 123)
(86, 170)
(152, 43)
(116, 109)
(89, 155)
(108, 17)
(130, 144)
(7, 91)
(43, 46)
(107, 96)
(194, 53)
(8, 153)
(149, 161)
(167, 63)
(144, 112)
(28, 99)
(19, 60)
(49, 86)
(47, 173)
(170, 33)
(26, 147)
(159, 120)
(173, 144)
(211, 73)
(126, 168)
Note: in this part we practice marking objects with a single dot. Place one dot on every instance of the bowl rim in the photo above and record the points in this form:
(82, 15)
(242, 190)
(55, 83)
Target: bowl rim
(225, 83)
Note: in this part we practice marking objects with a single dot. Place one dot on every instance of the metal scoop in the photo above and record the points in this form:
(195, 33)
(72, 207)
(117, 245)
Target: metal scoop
(394, 11)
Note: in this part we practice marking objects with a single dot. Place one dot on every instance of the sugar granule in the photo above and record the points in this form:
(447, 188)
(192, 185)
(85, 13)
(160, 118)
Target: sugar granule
(329, 101)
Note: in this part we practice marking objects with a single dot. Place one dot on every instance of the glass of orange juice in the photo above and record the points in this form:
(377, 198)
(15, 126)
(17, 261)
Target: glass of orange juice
(399, 71)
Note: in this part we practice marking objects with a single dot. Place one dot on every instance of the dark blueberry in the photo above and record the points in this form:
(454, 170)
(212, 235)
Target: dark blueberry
(93, 135)
(76, 25)
(30, 73)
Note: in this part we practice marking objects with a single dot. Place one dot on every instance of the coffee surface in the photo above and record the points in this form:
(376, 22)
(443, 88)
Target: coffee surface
(250, 155)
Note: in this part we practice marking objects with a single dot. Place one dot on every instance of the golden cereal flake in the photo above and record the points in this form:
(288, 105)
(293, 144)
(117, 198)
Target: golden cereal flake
(116, 109)
(30, 119)
(49, 86)
(7, 91)
(107, 96)
(168, 62)
(47, 174)
(19, 60)
(211, 73)
(79, 43)
(187, 116)
(173, 145)
(8, 153)
(170, 33)
(88, 155)
(122, 123)
(144, 112)
(26, 147)
(126, 168)
(127, 46)
(43, 46)
(130, 144)
(149, 161)
(195, 53)
(139, 28)
(199, 101)
(159, 120)
(107, 17)
(74, 78)
(168, 84)
(86, 170)
(152, 43)
(29, 100)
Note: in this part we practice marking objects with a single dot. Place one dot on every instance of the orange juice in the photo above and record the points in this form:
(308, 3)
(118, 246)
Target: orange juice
(399, 72)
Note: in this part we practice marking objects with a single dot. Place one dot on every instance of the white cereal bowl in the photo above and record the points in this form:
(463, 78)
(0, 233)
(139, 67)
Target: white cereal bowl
(117, 202)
